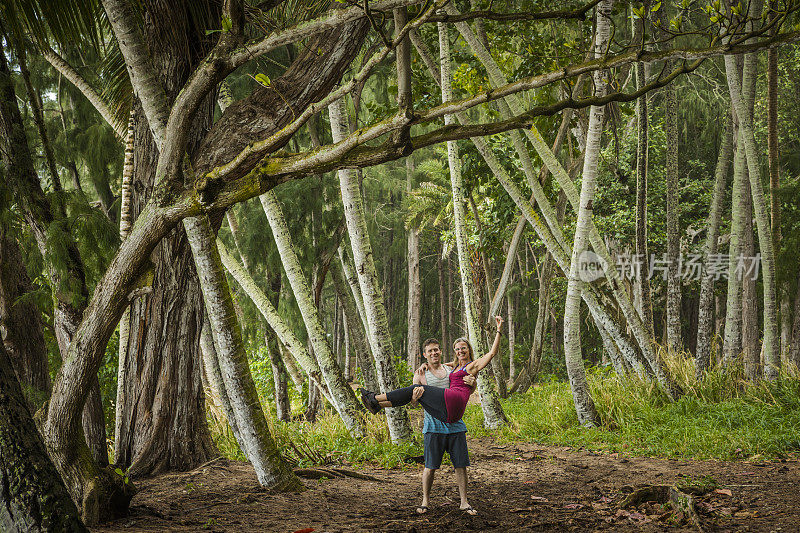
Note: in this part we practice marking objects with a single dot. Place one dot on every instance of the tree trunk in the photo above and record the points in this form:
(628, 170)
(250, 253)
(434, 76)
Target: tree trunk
(21, 325)
(795, 351)
(378, 326)
(125, 222)
(215, 380)
(584, 406)
(732, 345)
(750, 348)
(705, 311)
(32, 496)
(493, 415)
(280, 378)
(741, 95)
(642, 281)
(443, 303)
(414, 286)
(343, 397)
(47, 223)
(271, 468)
(673, 311)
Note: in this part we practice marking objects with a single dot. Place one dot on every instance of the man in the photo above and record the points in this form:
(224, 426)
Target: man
(441, 436)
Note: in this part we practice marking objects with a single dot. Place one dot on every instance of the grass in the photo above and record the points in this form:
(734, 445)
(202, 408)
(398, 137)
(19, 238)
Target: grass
(722, 416)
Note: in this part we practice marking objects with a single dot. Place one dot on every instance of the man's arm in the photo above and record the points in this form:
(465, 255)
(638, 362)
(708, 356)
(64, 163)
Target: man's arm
(419, 376)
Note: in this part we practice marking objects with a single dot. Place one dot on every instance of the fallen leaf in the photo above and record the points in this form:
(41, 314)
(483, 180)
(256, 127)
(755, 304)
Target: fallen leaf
(605, 499)
(539, 499)
(522, 510)
(573, 506)
(598, 506)
(745, 514)
(724, 492)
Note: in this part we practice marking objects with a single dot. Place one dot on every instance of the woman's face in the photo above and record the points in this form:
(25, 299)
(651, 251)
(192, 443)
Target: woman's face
(462, 352)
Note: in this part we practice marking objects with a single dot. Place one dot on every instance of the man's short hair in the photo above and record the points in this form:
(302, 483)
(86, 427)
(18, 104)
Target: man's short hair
(429, 342)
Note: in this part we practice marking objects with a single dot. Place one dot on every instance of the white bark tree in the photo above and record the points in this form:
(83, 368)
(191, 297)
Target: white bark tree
(587, 414)
(377, 324)
(493, 415)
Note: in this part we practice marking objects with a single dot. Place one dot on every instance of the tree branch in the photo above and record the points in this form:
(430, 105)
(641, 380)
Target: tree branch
(488, 14)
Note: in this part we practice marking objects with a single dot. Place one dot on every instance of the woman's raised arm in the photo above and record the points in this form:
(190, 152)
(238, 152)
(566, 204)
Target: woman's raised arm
(479, 364)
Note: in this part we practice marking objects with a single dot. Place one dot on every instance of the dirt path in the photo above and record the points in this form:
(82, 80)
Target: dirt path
(515, 488)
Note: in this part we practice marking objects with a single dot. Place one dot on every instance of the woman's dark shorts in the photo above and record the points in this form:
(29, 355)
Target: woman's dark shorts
(454, 444)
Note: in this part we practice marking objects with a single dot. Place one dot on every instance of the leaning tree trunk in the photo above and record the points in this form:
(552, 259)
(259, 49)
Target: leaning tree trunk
(342, 396)
(270, 314)
(587, 414)
(751, 355)
(32, 496)
(493, 415)
(271, 468)
(705, 311)
(374, 309)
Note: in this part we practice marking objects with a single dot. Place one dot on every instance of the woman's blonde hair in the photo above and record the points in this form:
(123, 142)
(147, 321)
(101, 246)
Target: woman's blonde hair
(469, 346)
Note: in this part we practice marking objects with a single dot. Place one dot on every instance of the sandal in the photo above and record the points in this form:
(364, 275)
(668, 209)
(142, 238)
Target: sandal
(422, 509)
(369, 401)
(469, 510)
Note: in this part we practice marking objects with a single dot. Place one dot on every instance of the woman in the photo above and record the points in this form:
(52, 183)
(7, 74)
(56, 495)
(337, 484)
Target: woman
(447, 405)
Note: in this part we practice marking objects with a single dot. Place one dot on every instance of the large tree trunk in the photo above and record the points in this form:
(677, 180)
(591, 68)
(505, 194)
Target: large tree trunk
(584, 406)
(343, 397)
(256, 442)
(493, 415)
(32, 496)
(705, 311)
(163, 424)
(21, 325)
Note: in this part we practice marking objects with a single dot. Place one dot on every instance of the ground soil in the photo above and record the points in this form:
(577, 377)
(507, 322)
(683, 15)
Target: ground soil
(520, 487)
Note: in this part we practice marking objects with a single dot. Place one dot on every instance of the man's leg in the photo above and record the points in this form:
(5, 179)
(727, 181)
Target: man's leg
(457, 448)
(434, 452)
(427, 483)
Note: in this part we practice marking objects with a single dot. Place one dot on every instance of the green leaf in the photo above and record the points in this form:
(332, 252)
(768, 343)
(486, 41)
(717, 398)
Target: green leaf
(263, 79)
(227, 23)
(656, 7)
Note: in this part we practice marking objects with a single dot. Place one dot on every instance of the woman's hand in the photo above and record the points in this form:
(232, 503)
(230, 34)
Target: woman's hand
(499, 322)
(422, 369)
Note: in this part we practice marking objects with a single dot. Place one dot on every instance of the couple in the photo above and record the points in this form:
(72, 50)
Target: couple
(443, 429)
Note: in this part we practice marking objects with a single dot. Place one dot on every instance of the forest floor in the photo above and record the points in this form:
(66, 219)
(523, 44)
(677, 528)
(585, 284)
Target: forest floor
(514, 487)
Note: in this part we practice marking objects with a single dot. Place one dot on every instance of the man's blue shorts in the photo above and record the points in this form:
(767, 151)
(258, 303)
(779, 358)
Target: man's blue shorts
(454, 444)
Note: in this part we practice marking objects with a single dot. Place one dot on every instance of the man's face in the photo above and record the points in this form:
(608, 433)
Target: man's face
(433, 354)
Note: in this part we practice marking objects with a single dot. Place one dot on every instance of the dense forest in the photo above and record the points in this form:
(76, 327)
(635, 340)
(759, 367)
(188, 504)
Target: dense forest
(221, 218)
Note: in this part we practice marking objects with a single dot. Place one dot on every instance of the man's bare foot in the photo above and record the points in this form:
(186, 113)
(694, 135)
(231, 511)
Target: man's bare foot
(422, 509)
(470, 510)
